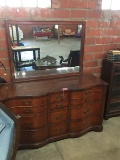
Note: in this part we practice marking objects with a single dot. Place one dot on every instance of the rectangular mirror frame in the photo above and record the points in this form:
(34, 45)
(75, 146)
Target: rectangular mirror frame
(38, 75)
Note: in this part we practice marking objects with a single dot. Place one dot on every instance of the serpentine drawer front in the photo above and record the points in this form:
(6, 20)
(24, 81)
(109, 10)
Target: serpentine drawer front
(51, 114)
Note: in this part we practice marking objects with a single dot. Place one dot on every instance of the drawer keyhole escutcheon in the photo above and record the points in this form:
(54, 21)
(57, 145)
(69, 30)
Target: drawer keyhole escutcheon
(59, 130)
(59, 117)
(27, 102)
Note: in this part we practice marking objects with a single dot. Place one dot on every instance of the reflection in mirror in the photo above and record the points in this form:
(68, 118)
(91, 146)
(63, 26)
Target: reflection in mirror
(45, 46)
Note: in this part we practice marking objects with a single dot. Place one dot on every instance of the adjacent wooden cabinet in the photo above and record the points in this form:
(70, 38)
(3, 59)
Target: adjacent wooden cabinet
(49, 113)
(111, 74)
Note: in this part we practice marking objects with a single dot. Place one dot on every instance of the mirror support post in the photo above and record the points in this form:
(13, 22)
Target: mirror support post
(17, 34)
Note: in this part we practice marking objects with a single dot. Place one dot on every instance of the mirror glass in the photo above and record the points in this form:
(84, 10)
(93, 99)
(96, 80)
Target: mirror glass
(43, 48)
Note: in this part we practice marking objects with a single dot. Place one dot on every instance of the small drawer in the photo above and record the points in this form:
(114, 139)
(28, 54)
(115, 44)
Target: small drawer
(89, 92)
(30, 109)
(33, 122)
(56, 130)
(59, 104)
(26, 101)
(58, 116)
(58, 96)
(80, 112)
(81, 125)
(31, 136)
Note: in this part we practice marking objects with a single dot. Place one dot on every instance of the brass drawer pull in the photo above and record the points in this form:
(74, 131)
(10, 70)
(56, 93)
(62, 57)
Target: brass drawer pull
(27, 102)
(85, 112)
(33, 136)
(59, 117)
(59, 97)
(27, 110)
(59, 105)
(87, 92)
(86, 100)
(85, 124)
(59, 130)
(28, 124)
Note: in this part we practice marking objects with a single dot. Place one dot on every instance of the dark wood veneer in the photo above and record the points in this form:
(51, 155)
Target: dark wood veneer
(48, 113)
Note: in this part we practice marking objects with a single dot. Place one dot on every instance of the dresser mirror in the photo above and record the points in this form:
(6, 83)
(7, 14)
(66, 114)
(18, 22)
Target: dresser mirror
(38, 49)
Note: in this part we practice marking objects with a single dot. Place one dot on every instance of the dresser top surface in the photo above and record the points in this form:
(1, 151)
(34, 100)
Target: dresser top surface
(41, 88)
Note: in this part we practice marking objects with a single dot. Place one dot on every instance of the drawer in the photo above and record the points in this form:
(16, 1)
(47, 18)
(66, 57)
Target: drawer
(81, 125)
(33, 121)
(58, 96)
(29, 109)
(89, 92)
(33, 136)
(58, 104)
(86, 100)
(58, 116)
(80, 112)
(26, 101)
(56, 130)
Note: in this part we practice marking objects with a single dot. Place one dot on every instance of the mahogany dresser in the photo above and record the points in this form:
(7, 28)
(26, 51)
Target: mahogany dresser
(55, 109)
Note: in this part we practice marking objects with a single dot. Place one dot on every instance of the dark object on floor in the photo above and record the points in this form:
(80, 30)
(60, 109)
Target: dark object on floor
(2, 80)
(9, 133)
(72, 60)
(49, 59)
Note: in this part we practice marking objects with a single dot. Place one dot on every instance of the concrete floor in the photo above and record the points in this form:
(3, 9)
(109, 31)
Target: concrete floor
(51, 47)
(103, 145)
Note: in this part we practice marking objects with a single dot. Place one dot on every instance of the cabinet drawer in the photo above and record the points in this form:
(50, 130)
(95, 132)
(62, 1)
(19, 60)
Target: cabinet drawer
(80, 112)
(59, 116)
(89, 92)
(33, 122)
(58, 104)
(86, 100)
(32, 136)
(26, 101)
(58, 96)
(29, 109)
(56, 130)
(81, 125)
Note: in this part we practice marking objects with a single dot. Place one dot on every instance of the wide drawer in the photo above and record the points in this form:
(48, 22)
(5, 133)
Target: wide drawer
(89, 92)
(26, 101)
(59, 129)
(28, 109)
(58, 96)
(80, 112)
(58, 104)
(81, 125)
(58, 116)
(33, 121)
(86, 100)
(33, 136)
